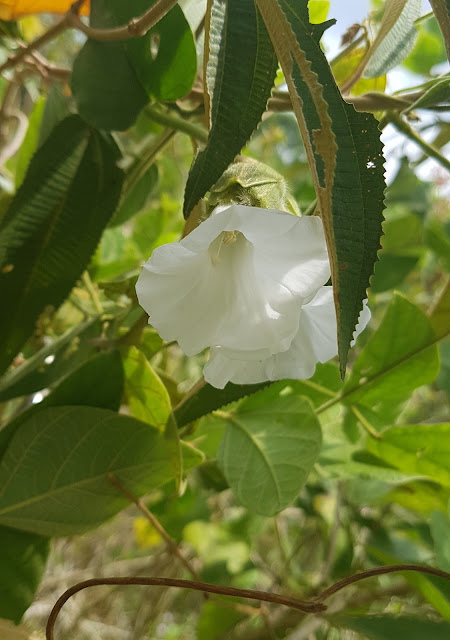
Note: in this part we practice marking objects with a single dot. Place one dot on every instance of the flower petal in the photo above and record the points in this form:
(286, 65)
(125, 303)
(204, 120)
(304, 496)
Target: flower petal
(238, 290)
(316, 341)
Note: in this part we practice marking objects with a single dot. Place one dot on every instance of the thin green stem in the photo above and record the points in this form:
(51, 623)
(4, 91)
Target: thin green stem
(310, 209)
(403, 127)
(92, 291)
(365, 423)
(175, 122)
(349, 48)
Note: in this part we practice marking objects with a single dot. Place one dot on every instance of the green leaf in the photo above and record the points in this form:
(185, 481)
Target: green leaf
(208, 398)
(146, 395)
(399, 357)
(137, 191)
(402, 248)
(440, 313)
(345, 67)
(215, 621)
(318, 10)
(106, 89)
(442, 12)
(396, 37)
(422, 449)
(394, 627)
(408, 191)
(22, 558)
(57, 107)
(240, 71)
(440, 529)
(391, 270)
(437, 237)
(53, 225)
(344, 154)
(30, 142)
(71, 451)
(36, 374)
(438, 93)
(112, 81)
(168, 71)
(98, 382)
(324, 384)
(428, 51)
(268, 449)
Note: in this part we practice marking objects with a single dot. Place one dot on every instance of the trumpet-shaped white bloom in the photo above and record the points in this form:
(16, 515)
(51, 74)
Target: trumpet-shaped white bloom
(248, 283)
(315, 341)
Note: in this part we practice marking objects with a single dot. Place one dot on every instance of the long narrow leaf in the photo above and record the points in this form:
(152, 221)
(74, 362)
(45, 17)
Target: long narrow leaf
(240, 70)
(53, 226)
(345, 156)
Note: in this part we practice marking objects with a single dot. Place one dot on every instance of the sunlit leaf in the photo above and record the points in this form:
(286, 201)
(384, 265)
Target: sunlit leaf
(146, 395)
(399, 357)
(71, 451)
(345, 66)
(422, 449)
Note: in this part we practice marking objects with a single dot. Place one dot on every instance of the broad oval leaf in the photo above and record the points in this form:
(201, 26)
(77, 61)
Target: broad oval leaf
(53, 225)
(420, 449)
(345, 155)
(35, 373)
(54, 474)
(240, 70)
(165, 59)
(112, 81)
(96, 383)
(106, 89)
(22, 558)
(268, 449)
(399, 357)
(146, 395)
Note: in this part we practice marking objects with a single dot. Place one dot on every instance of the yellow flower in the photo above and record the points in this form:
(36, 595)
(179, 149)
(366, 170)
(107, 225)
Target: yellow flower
(13, 9)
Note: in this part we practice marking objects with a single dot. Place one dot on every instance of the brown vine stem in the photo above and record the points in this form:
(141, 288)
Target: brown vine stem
(133, 29)
(49, 35)
(293, 603)
(171, 544)
(379, 571)
(315, 605)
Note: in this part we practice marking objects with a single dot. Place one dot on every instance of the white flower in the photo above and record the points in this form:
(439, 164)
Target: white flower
(315, 341)
(248, 283)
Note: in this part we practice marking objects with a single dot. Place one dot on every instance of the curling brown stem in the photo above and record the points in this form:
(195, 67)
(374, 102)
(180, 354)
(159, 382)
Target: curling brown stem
(315, 605)
(49, 35)
(294, 603)
(133, 29)
(379, 571)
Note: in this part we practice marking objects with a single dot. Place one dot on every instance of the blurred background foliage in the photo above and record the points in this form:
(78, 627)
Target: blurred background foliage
(377, 493)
